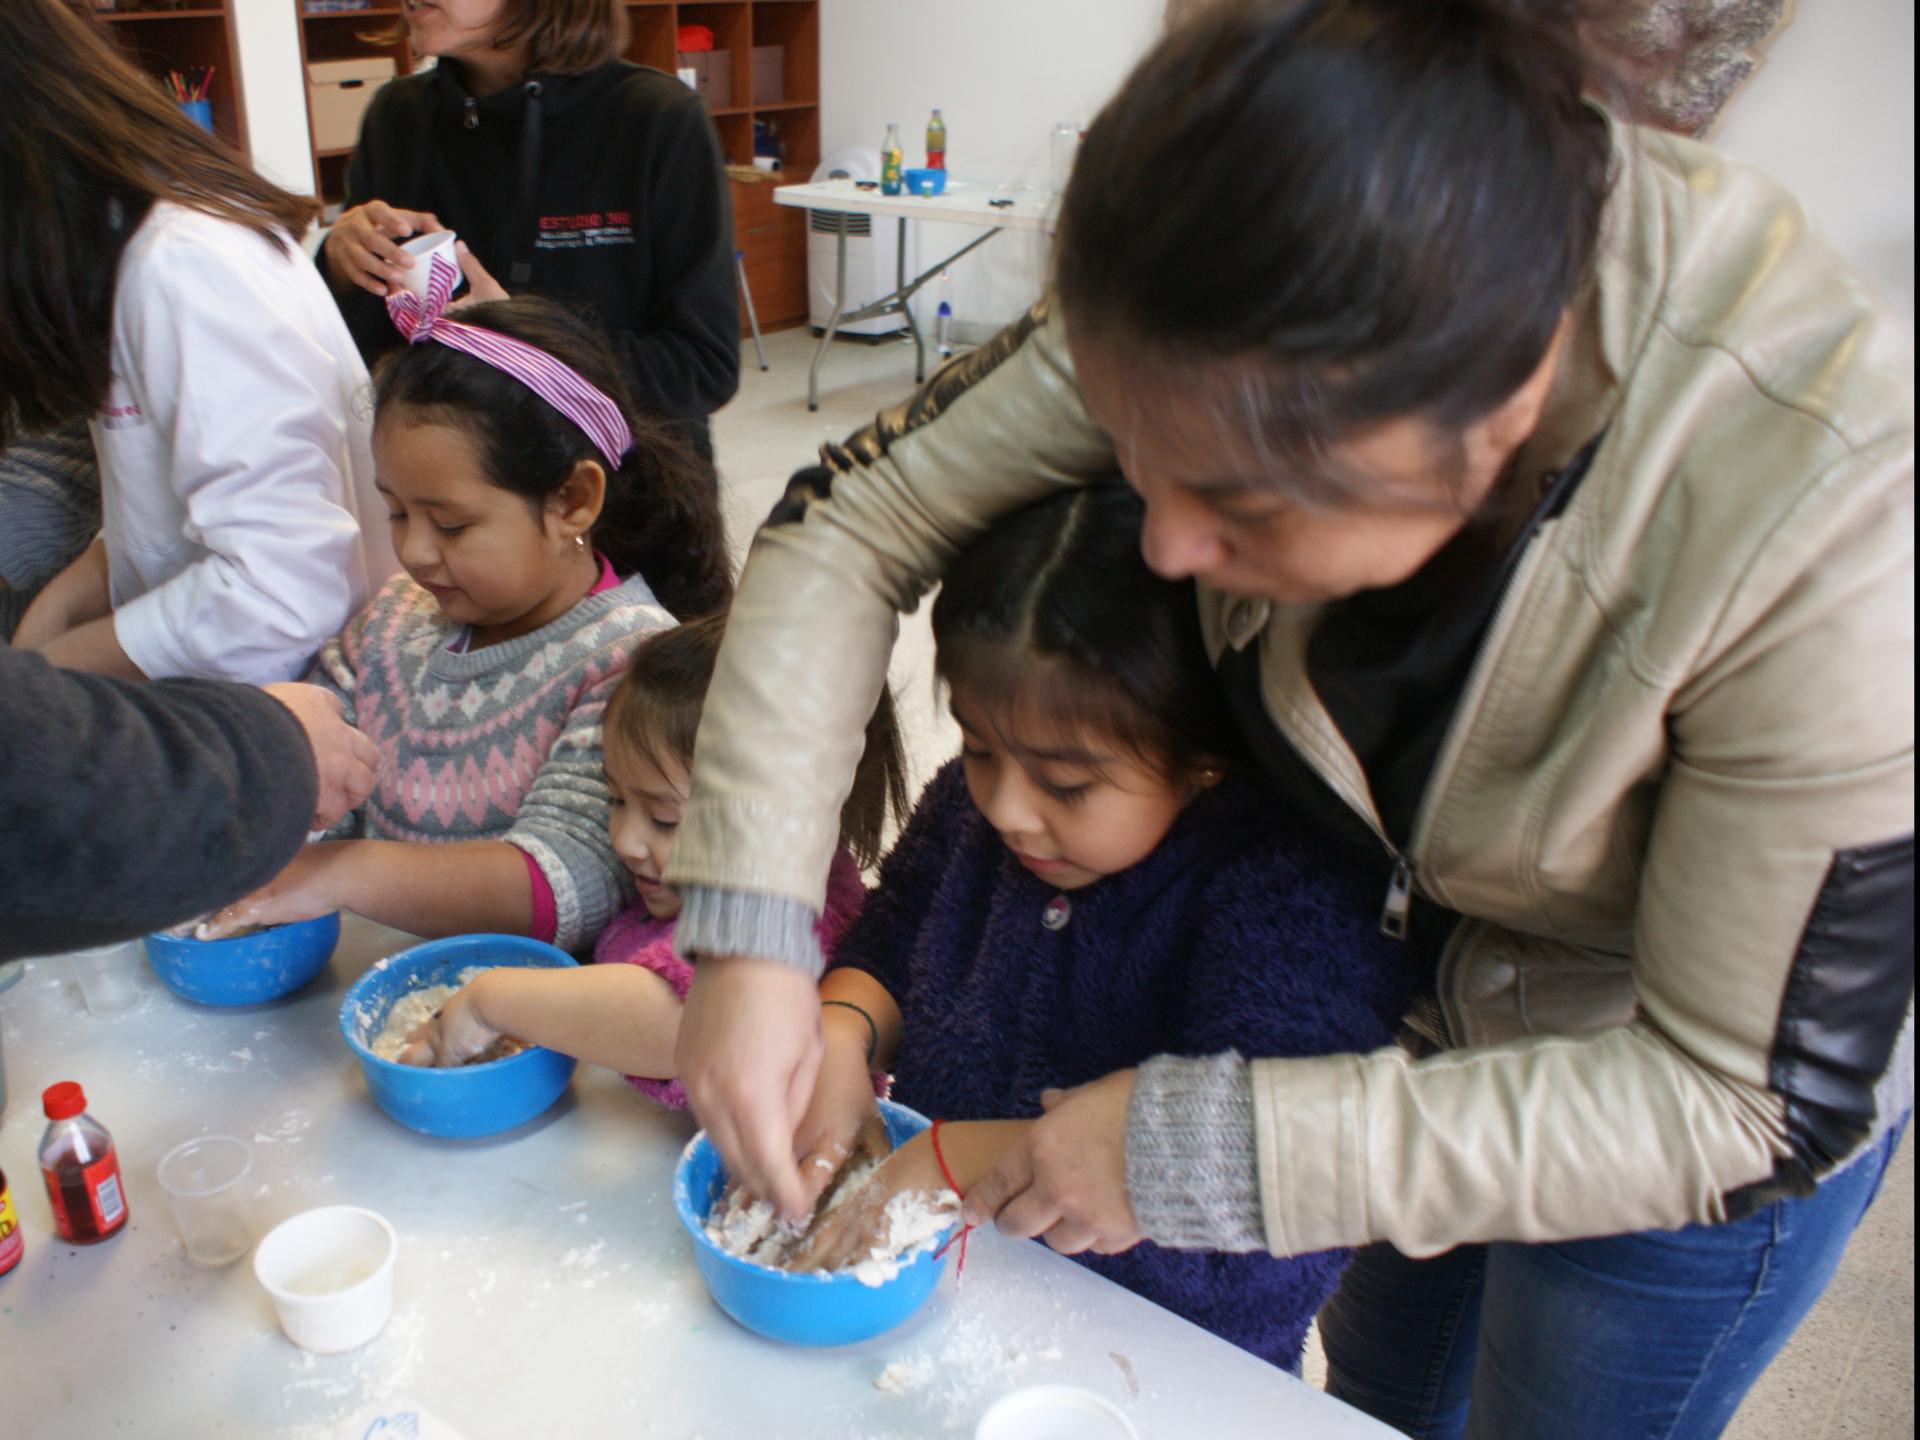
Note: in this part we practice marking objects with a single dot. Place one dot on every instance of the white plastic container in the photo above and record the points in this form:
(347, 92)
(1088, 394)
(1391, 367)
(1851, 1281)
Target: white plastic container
(1054, 1412)
(423, 248)
(330, 1273)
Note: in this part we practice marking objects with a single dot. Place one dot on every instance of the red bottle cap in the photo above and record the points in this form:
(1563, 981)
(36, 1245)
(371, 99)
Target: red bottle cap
(63, 1101)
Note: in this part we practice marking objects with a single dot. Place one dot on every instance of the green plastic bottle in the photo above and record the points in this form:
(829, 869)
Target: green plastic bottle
(936, 143)
(890, 162)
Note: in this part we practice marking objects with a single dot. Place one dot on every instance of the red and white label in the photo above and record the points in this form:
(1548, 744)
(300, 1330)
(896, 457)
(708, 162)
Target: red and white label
(101, 1180)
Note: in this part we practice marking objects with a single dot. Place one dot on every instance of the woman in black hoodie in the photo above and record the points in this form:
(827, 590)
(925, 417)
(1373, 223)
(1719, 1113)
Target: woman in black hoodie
(565, 171)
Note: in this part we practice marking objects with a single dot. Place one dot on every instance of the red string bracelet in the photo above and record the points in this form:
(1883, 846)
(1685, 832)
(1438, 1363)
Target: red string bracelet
(960, 1265)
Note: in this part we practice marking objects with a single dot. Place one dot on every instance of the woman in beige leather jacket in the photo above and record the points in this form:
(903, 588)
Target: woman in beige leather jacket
(1549, 487)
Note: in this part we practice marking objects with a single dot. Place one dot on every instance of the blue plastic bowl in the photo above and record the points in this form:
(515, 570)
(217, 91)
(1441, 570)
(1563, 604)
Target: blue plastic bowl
(247, 970)
(468, 1100)
(926, 182)
(809, 1309)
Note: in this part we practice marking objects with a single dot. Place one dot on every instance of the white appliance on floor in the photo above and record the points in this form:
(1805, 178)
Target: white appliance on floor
(873, 243)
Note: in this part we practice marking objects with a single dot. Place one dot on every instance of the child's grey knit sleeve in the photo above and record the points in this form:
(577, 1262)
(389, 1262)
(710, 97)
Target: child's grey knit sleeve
(1192, 1172)
(562, 825)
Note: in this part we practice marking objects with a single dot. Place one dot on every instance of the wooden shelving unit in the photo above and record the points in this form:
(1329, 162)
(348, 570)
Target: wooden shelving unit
(160, 36)
(772, 240)
(347, 35)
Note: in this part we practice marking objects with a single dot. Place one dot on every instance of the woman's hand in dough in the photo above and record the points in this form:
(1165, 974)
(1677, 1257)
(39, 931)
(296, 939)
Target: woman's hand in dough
(1066, 1178)
(454, 1035)
(309, 886)
(854, 1227)
(842, 1116)
(363, 246)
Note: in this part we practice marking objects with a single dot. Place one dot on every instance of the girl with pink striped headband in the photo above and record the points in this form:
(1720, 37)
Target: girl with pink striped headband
(585, 404)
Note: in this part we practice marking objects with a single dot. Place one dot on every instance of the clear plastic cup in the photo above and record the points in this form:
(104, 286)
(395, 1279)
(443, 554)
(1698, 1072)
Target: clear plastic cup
(1054, 1412)
(205, 1181)
(109, 977)
(330, 1273)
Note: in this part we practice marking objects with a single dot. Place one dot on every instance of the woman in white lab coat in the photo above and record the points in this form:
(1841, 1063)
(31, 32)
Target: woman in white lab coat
(153, 283)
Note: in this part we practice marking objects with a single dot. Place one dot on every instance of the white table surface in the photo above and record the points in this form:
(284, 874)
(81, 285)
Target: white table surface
(544, 1285)
(965, 203)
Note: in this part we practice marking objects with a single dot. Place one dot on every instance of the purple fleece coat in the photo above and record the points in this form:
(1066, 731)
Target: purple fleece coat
(1237, 933)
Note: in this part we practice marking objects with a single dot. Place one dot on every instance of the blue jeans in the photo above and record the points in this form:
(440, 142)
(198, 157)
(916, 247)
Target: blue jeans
(1650, 1336)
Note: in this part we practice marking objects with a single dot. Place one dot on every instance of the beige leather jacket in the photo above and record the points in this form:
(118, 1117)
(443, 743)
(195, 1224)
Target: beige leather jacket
(1677, 794)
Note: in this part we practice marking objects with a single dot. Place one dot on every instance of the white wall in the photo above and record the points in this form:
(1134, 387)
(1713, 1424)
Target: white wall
(1831, 116)
(275, 90)
(1003, 73)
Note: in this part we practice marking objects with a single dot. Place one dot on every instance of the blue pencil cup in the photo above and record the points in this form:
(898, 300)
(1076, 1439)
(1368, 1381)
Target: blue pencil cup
(198, 111)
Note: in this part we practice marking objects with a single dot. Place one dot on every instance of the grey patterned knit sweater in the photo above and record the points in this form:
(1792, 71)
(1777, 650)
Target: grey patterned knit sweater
(495, 744)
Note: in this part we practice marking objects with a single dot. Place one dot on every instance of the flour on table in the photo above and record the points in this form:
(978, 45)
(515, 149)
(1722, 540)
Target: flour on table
(416, 1007)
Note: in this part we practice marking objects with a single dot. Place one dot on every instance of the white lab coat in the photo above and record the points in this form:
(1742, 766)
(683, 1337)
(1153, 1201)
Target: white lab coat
(241, 524)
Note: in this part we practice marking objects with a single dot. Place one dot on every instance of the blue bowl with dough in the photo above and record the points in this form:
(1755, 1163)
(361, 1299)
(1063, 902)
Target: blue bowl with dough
(925, 182)
(804, 1309)
(467, 1100)
(248, 969)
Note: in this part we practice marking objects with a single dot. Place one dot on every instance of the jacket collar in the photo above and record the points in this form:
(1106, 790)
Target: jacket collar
(558, 93)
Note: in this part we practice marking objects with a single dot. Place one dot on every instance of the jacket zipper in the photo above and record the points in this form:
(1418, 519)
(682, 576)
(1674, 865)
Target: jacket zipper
(472, 120)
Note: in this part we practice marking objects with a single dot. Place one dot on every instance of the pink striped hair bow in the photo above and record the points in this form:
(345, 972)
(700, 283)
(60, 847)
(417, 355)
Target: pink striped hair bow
(559, 385)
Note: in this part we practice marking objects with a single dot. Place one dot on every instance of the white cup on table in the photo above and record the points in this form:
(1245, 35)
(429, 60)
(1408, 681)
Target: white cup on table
(330, 1273)
(109, 976)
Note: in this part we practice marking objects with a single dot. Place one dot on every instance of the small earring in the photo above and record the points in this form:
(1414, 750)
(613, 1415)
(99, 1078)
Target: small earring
(580, 541)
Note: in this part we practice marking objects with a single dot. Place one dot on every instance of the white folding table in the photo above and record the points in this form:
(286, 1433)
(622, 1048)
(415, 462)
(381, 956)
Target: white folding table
(544, 1285)
(966, 202)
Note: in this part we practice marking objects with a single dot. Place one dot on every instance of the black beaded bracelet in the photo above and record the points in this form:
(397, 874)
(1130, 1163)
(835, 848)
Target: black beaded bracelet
(873, 1030)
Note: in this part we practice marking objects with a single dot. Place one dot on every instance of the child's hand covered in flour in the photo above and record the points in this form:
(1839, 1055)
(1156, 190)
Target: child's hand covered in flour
(842, 1117)
(454, 1035)
(312, 884)
(850, 1230)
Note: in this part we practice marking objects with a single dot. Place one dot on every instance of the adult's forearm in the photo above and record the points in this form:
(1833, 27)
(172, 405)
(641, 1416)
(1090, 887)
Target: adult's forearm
(79, 593)
(473, 885)
(95, 648)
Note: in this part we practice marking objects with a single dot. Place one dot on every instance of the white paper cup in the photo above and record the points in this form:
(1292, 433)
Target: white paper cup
(1054, 1412)
(212, 1207)
(330, 1273)
(423, 248)
(109, 977)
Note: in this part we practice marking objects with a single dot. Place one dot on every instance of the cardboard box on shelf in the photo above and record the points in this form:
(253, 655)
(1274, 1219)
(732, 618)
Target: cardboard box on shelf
(769, 74)
(710, 74)
(339, 92)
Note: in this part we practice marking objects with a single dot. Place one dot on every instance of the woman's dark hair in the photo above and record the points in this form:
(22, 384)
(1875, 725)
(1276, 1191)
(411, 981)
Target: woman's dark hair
(1053, 613)
(660, 518)
(88, 144)
(563, 37)
(1330, 213)
(656, 708)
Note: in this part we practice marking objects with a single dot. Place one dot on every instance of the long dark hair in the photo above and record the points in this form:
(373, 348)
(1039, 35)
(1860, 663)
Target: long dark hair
(88, 144)
(1330, 213)
(659, 520)
(1054, 613)
(656, 711)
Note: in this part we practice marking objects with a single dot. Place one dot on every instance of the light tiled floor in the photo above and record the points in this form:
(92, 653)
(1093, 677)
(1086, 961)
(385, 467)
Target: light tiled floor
(1847, 1374)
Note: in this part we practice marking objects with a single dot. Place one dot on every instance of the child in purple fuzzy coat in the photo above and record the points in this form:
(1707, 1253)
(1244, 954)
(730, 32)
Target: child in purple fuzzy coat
(624, 1011)
(1093, 882)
